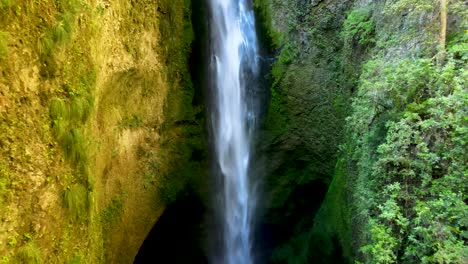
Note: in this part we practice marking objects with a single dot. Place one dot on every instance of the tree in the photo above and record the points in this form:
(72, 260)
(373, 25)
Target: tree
(443, 31)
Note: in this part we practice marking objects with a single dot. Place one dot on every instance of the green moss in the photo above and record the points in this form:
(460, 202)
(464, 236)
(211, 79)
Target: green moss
(265, 16)
(134, 121)
(75, 200)
(75, 260)
(112, 212)
(29, 253)
(177, 35)
(186, 156)
(333, 218)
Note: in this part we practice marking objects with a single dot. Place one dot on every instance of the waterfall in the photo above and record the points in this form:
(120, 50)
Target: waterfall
(234, 72)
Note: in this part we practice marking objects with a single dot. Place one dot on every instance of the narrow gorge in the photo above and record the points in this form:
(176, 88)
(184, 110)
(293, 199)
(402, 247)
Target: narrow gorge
(233, 131)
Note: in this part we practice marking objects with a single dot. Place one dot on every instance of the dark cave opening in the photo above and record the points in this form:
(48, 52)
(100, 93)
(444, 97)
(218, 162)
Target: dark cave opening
(178, 235)
(293, 220)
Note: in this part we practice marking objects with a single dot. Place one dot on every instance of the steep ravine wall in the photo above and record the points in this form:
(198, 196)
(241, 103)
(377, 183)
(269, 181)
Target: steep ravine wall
(355, 87)
(304, 124)
(98, 129)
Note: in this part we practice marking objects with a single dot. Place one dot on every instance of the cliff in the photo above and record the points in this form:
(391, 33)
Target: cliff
(97, 120)
(361, 94)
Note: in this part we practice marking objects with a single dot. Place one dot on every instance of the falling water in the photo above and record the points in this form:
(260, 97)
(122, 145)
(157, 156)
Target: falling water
(234, 69)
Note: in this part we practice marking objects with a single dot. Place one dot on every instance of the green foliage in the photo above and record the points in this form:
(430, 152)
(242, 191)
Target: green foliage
(359, 27)
(30, 254)
(75, 200)
(411, 183)
(458, 46)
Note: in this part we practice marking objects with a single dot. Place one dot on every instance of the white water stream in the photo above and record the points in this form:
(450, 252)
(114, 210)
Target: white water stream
(234, 66)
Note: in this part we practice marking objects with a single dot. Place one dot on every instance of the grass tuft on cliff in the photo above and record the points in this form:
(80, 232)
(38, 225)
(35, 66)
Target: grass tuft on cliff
(75, 200)
(62, 30)
(80, 109)
(73, 144)
(29, 253)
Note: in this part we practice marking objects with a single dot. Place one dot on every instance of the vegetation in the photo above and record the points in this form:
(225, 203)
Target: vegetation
(412, 191)
(398, 190)
(359, 27)
(111, 213)
(396, 186)
(29, 253)
(265, 15)
(407, 139)
(75, 200)
(57, 140)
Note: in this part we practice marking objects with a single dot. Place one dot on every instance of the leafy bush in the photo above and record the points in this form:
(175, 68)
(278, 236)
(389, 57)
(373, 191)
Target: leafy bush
(411, 176)
(359, 27)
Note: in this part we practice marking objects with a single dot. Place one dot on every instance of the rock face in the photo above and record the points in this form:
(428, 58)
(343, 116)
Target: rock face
(304, 125)
(99, 130)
